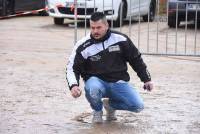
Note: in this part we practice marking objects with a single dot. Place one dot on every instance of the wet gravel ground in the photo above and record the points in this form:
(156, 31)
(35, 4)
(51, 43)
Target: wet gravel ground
(34, 97)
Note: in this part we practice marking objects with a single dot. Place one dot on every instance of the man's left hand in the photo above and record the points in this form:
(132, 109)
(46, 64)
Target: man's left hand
(148, 86)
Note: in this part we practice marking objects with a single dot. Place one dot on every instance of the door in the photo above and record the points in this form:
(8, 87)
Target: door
(26, 5)
(139, 7)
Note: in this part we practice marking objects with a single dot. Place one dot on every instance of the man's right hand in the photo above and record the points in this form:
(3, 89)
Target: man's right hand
(76, 92)
(148, 86)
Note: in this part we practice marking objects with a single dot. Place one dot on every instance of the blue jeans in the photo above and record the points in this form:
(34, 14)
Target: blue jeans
(121, 95)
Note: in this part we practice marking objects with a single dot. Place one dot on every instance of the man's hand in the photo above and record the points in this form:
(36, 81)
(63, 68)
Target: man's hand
(75, 92)
(148, 86)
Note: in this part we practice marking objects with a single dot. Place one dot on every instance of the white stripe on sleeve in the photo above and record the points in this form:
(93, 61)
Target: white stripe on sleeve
(71, 78)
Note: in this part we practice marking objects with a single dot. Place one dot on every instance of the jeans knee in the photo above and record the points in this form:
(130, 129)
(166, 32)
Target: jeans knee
(93, 88)
(93, 94)
(92, 83)
(136, 108)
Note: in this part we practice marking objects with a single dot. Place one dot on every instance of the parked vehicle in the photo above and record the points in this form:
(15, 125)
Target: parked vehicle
(8, 7)
(61, 9)
(177, 11)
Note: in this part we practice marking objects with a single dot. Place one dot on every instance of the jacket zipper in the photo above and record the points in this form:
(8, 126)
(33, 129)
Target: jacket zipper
(103, 45)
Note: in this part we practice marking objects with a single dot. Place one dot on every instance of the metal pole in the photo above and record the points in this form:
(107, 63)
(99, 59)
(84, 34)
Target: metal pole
(167, 34)
(170, 54)
(157, 25)
(130, 26)
(94, 5)
(148, 29)
(121, 16)
(195, 41)
(139, 28)
(85, 18)
(186, 20)
(112, 16)
(103, 6)
(176, 27)
(75, 21)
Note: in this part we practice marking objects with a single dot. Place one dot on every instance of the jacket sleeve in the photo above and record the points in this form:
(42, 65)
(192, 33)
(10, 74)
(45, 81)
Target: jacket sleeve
(74, 68)
(133, 56)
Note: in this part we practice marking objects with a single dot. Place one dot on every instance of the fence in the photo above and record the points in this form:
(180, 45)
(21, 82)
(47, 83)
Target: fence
(173, 30)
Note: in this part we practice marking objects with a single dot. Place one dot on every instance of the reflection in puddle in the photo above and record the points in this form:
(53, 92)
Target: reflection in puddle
(127, 123)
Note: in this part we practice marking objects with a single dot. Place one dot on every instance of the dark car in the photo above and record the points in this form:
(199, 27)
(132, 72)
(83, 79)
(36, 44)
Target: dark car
(8, 7)
(178, 9)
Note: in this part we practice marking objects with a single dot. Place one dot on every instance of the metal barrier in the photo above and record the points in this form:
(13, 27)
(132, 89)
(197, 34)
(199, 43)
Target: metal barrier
(166, 35)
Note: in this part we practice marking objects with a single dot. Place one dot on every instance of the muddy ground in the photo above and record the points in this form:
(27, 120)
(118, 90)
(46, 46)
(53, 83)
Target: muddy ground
(34, 97)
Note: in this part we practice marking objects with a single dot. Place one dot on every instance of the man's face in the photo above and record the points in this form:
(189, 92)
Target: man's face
(98, 29)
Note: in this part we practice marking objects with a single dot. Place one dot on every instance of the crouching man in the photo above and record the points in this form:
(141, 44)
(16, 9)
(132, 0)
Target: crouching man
(101, 60)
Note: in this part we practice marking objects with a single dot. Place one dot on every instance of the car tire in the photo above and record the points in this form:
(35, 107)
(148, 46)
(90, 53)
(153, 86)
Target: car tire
(152, 13)
(43, 13)
(119, 21)
(172, 22)
(58, 21)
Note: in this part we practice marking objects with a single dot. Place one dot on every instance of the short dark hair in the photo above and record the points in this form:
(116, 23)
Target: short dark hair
(96, 16)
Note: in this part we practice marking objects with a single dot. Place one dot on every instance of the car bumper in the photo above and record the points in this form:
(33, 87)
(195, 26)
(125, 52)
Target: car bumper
(182, 14)
(61, 11)
(182, 8)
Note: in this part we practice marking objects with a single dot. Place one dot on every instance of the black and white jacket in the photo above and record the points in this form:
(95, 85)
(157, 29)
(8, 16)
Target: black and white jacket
(106, 59)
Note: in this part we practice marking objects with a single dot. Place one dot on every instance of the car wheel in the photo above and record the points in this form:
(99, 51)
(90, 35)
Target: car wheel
(119, 21)
(172, 22)
(43, 13)
(58, 21)
(152, 10)
(198, 23)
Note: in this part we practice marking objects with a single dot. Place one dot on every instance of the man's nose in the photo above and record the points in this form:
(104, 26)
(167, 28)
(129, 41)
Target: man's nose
(95, 30)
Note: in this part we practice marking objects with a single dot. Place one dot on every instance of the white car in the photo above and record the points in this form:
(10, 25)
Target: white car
(60, 9)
